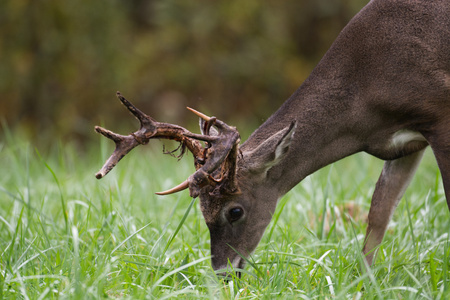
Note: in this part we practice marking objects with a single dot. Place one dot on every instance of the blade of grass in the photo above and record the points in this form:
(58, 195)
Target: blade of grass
(160, 280)
(63, 203)
(252, 264)
(18, 199)
(180, 224)
(413, 236)
(129, 237)
(13, 240)
(363, 263)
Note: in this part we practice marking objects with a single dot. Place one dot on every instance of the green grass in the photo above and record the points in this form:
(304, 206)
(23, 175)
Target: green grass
(64, 234)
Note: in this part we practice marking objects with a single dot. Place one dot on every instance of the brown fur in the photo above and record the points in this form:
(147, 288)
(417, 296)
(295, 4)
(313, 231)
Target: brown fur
(388, 71)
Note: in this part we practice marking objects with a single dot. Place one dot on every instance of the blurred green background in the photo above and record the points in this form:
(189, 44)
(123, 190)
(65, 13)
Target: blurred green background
(62, 61)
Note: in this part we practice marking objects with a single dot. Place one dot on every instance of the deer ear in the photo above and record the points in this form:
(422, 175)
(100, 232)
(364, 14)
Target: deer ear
(270, 152)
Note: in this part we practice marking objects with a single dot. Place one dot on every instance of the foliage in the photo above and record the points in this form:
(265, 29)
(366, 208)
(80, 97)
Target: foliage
(63, 234)
(63, 61)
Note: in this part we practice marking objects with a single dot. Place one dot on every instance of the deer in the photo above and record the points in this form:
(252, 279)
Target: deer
(383, 88)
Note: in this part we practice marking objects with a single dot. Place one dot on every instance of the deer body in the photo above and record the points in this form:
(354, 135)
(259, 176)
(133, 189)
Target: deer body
(383, 88)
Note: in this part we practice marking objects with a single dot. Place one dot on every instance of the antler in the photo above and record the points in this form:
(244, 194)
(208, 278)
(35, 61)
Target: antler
(219, 155)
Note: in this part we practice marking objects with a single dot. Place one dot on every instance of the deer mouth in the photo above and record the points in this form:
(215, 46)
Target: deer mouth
(224, 271)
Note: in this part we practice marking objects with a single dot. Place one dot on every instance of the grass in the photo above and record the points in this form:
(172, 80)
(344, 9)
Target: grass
(66, 235)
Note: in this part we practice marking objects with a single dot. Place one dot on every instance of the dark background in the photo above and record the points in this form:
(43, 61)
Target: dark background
(62, 61)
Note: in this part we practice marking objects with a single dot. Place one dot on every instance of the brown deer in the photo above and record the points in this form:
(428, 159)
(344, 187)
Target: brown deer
(383, 88)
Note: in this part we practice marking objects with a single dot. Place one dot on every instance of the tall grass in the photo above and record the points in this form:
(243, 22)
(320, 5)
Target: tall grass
(64, 234)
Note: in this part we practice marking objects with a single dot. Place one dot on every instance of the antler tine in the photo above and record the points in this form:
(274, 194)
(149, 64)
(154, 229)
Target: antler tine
(212, 120)
(201, 115)
(182, 186)
(142, 117)
(124, 144)
(109, 134)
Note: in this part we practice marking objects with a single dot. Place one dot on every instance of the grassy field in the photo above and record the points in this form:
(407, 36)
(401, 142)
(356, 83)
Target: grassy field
(64, 234)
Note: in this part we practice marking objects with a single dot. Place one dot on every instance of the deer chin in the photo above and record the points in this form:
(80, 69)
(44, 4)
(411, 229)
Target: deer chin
(237, 264)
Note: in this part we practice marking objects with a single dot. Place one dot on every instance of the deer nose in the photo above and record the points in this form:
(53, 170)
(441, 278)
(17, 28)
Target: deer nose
(223, 271)
(227, 276)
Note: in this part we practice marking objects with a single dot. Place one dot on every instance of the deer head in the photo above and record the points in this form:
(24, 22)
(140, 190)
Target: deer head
(236, 198)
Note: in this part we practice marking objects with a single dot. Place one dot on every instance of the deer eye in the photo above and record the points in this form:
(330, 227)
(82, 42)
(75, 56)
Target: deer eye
(235, 214)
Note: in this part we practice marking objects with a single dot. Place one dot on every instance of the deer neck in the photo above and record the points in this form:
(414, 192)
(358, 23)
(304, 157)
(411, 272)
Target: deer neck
(321, 136)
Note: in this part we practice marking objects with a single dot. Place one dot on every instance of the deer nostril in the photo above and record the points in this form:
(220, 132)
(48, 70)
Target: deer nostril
(230, 271)
(228, 276)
